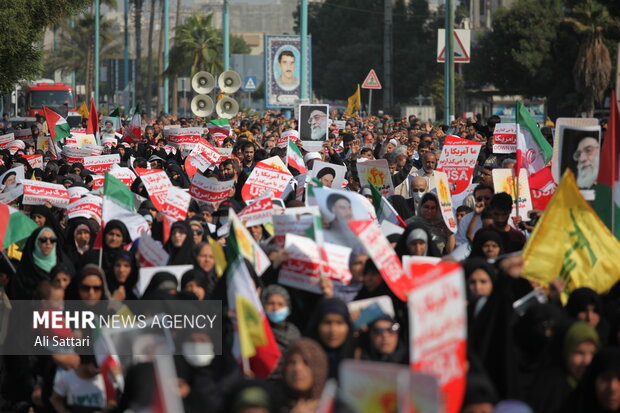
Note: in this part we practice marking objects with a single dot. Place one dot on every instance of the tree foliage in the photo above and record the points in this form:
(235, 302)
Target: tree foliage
(22, 25)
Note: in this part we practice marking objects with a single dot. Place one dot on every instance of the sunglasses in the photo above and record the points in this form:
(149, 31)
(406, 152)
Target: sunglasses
(43, 240)
(392, 330)
(481, 198)
(417, 190)
(87, 288)
(198, 231)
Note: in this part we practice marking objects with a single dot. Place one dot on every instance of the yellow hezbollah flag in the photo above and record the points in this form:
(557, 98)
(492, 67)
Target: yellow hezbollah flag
(571, 242)
(219, 255)
(83, 110)
(355, 102)
(250, 327)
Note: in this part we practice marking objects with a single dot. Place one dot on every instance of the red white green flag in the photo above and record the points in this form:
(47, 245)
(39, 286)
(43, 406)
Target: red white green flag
(219, 129)
(294, 158)
(57, 125)
(385, 210)
(533, 150)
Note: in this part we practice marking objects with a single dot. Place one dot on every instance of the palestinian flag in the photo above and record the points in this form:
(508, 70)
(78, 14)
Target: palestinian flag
(254, 345)
(294, 158)
(118, 204)
(14, 226)
(533, 150)
(57, 125)
(385, 210)
(607, 201)
(219, 129)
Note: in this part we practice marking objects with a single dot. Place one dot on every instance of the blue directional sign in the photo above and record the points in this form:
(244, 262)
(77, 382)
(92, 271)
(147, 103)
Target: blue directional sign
(249, 84)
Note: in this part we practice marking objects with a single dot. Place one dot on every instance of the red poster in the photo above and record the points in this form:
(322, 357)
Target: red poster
(209, 190)
(270, 174)
(39, 192)
(458, 159)
(156, 183)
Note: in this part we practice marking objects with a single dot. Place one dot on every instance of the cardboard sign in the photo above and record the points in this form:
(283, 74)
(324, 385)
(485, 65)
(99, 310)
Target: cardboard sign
(438, 329)
(184, 139)
(270, 174)
(504, 181)
(102, 163)
(35, 161)
(157, 184)
(376, 172)
(176, 205)
(335, 174)
(6, 139)
(211, 191)
(87, 207)
(382, 254)
(295, 221)
(505, 138)
(458, 159)
(151, 253)
(445, 200)
(39, 192)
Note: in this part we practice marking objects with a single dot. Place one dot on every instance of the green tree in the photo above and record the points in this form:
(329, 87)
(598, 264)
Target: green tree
(22, 25)
(592, 69)
(137, 22)
(76, 49)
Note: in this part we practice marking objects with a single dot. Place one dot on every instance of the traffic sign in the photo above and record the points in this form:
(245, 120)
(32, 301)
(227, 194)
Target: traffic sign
(249, 83)
(371, 81)
(462, 46)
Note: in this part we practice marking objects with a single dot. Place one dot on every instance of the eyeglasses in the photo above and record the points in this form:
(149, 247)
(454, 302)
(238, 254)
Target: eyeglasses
(392, 330)
(198, 231)
(485, 198)
(43, 240)
(86, 288)
(588, 150)
(418, 190)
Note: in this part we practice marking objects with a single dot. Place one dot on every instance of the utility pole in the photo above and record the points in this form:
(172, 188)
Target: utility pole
(126, 51)
(303, 32)
(72, 23)
(96, 52)
(387, 55)
(448, 72)
(451, 57)
(226, 33)
(166, 51)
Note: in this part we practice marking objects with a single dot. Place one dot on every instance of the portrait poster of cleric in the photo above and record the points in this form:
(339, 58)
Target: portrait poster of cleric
(283, 71)
(313, 124)
(579, 151)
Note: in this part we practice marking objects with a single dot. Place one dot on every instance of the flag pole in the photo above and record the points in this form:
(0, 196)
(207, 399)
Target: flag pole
(516, 171)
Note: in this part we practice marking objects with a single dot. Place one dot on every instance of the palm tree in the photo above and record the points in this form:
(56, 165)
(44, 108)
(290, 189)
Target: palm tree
(138, 35)
(175, 88)
(75, 51)
(200, 43)
(592, 70)
(149, 70)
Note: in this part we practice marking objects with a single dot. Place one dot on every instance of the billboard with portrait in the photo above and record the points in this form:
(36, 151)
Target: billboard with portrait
(579, 151)
(283, 70)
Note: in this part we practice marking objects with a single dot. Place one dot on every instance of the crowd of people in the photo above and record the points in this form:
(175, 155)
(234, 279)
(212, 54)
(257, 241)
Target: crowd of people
(547, 358)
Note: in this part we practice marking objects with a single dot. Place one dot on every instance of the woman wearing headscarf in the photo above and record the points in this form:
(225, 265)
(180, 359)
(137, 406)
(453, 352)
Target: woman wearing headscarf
(115, 238)
(124, 277)
(304, 375)
(332, 328)
(89, 287)
(41, 253)
(599, 390)
(487, 243)
(384, 343)
(277, 303)
(62, 274)
(180, 244)
(416, 240)
(44, 216)
(162, 285)
(429, 214)
(585, 304)
(81, 234)
(177, 176)
(195, 282)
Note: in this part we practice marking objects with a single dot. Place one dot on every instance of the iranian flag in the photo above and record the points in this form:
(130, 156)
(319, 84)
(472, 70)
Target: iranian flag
(57, 125)
(254, 345)
(294, 158)
(118, 204)
(607, 201)
(385, 210)
(133, 131)
(533, 150)
(219, 128)
(14, 226)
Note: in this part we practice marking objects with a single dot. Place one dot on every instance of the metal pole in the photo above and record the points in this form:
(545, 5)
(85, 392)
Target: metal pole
(617, 77)
(387, 55)
(126, 51)
(166, 51)
(303, 32)
(446, 67)
(226, 33)
(451, 57)
(72, 23)
(369, 101)
(96, 52)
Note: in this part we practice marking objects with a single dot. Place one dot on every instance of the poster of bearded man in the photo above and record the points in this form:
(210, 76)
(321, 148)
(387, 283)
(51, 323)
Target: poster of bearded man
(580, 152)
(313, 123)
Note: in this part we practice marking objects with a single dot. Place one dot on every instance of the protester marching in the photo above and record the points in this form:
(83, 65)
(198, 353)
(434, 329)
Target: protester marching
(350, 263)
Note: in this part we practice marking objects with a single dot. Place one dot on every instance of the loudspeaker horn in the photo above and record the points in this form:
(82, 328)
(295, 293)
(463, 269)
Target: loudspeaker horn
(203, 82)
(227, 107)
(229, 81)
(202, 106)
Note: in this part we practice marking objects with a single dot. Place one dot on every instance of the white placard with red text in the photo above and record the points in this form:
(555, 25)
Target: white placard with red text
(35, 161)
(39, 192)
(183, 138)
(211, 191)
(87, 207)
(505, 138)
(157, 183)
(177, 203)
(270, 174)
(458, 159)
(6, 139)
(293, 221)
(102, 163)
(151, 253)
(77, 192)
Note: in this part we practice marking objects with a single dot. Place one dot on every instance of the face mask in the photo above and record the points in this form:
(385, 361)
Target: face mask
(418, 195)
(279, 315)
(198, 354)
